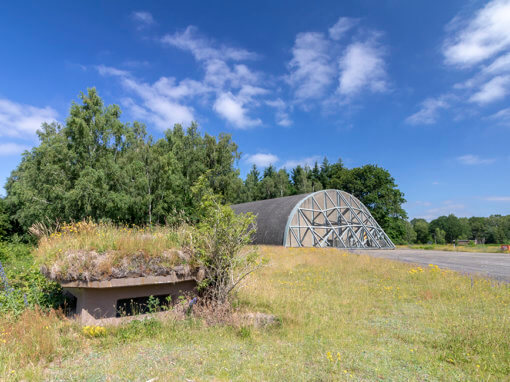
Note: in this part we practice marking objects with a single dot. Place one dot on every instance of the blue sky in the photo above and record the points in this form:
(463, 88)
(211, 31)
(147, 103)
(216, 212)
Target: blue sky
(420, 88)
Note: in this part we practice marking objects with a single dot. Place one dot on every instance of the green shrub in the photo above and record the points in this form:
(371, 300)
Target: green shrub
(221, 240)
(23, 285)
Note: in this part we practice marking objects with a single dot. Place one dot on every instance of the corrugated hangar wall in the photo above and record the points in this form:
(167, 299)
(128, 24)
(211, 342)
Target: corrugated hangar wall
(327, 218)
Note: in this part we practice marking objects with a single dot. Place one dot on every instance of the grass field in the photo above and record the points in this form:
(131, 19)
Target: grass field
(489, 248)
(343, 317)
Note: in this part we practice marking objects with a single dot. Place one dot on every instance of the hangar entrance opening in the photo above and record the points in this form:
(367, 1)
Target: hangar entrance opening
(328, 218)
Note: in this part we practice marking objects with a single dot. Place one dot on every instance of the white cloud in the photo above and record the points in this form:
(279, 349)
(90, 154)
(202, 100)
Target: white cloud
(493, 90)
(143, 18)
(262, 160)
(203, 49)
(498, 198)
(479, 42)
(500, 65)
(309, 161)
(160, 102)
(236, 86)
(470, 159)
(19, 120)
(486, 34)
(282, 116)
(428, 112)
(502, 116)
(7, 149)
(337, 31)
(311, 68)
(362, 66)
(232, 109)
(109, 71)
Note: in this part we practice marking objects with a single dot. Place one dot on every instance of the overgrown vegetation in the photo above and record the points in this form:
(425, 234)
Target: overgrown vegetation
(343, 317)
(22, 285)
(222, 238)
(89, 251)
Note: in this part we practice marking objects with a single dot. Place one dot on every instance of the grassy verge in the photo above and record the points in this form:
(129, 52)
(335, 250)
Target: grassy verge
(488, 248)
(344, 317)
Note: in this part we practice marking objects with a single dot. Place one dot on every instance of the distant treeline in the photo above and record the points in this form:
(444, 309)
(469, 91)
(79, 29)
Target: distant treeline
(446, 229)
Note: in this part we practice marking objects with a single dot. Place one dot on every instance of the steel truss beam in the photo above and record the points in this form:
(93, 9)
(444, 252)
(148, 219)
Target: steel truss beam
(339, 221)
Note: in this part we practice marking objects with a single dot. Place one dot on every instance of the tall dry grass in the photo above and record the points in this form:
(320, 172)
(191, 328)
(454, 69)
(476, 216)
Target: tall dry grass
(89, 251)
(33, 339)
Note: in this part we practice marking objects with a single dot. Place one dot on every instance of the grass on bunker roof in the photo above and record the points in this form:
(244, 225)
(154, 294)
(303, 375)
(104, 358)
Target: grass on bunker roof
(90, 251)
(343, 317)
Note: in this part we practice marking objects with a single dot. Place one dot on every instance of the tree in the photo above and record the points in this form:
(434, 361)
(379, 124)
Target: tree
(376, 189)
(315, 178)
(5, 225)
(439, 236)
(450, 225)
(325, 173)
(300, 182)
(282, 183)
(479, 229)
(410, 234)
(267, 186)
(251, 185)
(421, 227)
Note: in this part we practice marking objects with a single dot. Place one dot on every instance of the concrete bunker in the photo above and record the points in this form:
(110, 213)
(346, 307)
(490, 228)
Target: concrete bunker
(105, 302)
(327, 218)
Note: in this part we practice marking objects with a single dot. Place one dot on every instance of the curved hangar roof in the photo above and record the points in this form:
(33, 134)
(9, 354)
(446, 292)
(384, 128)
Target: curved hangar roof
(327, 218)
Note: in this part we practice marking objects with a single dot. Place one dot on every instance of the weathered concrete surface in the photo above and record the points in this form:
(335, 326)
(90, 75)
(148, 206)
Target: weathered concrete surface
(97, 300)
(494, 265)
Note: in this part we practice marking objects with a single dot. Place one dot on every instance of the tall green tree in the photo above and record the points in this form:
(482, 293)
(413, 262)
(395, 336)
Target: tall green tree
(376, 189)
(251, 185)
(300, 180)
(450, 225)
(5, 224)
(421, 227)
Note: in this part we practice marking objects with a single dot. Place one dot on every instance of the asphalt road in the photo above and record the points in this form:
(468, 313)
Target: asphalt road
(494, 265)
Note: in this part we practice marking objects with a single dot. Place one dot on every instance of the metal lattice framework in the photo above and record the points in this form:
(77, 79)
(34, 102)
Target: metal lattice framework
(333, 218)
(328, 218)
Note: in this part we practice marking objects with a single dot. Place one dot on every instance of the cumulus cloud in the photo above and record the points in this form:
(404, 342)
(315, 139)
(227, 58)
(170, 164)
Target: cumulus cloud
(237, 88)
(362, 66)
(481, 37)
(261, 159)
(429, 111)
(472, 160)
(19, 120)
(232, 109)
(143, 18)
(337, 31)
(481, 43)
(161, 102)
(319, 60)
(311, 68)
(7, 149)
